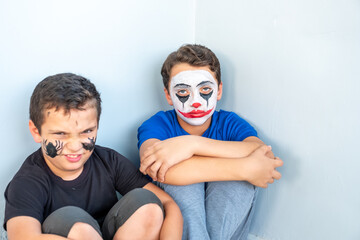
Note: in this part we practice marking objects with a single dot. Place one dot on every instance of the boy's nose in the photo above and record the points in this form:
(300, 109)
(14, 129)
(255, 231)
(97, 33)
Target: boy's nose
(74, 146)
(196, 105)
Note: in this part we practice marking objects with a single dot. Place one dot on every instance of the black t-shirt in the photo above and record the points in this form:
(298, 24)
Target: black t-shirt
(35, 191)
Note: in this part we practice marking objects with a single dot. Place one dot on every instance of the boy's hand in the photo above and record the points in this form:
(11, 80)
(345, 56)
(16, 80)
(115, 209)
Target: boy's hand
(162, 155)
(260, 170)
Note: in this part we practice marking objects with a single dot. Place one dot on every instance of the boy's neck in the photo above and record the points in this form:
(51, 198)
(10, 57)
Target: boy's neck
(194, 130)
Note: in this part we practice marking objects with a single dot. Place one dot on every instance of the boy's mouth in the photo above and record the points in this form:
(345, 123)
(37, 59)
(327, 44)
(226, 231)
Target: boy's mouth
(73, 157)
(196, 113)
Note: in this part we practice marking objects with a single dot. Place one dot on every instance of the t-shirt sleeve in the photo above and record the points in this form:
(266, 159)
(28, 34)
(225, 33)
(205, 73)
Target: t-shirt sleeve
(127, 176)
(158, 126)
(24, 196)
(237, 129)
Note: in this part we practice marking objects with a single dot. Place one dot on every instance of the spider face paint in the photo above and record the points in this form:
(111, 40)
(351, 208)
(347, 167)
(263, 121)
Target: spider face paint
(89, 146)
(194, 95)
(52, 150)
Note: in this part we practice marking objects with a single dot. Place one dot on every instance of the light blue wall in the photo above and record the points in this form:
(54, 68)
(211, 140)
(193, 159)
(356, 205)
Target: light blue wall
(119, 45)
(292, 68)
(289, 67)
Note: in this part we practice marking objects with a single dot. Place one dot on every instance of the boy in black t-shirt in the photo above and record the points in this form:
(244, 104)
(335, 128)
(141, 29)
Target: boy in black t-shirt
(67, 188)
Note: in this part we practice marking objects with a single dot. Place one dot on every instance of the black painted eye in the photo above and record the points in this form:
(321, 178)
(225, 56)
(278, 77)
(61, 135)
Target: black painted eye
(183, 99)
(206, 96)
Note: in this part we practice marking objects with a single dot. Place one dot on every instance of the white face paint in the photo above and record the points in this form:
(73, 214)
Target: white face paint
(194, 95)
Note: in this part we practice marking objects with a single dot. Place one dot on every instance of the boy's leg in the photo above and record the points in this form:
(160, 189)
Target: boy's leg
(191, 200)
(140, 211)
(66, 220)
(229, 209)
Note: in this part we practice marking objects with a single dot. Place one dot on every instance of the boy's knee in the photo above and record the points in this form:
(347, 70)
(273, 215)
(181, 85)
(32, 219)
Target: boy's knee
(139, 207)
(232, 189)
(151, 216)
(151, 219)
(144, 223)
(187, 193)
(84, 231)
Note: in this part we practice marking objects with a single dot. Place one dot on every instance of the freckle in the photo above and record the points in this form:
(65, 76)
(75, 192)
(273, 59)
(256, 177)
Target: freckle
(48, 113)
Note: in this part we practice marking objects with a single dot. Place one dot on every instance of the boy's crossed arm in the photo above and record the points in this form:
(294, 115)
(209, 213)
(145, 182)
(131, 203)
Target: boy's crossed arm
(191, 159)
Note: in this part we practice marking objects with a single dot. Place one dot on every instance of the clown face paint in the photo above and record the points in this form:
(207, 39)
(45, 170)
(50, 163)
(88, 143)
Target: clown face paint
(194, 95)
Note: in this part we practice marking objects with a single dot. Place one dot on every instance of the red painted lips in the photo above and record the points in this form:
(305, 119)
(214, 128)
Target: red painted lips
(196, 113)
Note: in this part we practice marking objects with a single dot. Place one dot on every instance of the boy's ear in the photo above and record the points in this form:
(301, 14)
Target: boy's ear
(34, 132)
(168, 98)
(219, 94)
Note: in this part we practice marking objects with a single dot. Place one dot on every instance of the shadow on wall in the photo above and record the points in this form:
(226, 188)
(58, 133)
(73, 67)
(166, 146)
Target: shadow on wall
(227, 78)
(3, 234)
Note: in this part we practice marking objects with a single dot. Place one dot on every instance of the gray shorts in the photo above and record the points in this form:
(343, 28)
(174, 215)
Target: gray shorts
(61, 221)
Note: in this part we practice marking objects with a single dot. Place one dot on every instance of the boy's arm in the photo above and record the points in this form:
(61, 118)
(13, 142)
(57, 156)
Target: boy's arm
(23, 227)
(258, 168)
(158, 156)
(172, 227)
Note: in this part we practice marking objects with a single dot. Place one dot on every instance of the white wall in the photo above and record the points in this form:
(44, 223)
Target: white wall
(119, 45)
(292, 68)
(289, 67)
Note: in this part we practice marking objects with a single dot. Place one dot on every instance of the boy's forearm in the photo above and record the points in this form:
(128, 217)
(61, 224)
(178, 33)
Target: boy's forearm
(172, 226)
(24, 227)
(258, 168)
(173, 222)
(157, 157)
(205, 169)
(39, 237)
(225, 149)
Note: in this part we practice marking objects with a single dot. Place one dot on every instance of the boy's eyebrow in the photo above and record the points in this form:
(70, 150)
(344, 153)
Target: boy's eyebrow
(90, 128)
(205, 82)
(56, 131)
(182, 85)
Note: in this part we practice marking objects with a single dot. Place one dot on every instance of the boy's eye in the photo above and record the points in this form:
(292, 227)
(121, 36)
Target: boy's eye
(88, 131)
(182, 92)
(60, 133)
(205, 90)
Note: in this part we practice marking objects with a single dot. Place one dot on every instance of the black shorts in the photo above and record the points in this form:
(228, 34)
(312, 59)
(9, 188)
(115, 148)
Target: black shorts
(61, 221)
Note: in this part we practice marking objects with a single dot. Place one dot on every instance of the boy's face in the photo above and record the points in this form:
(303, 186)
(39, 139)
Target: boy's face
(194, 92)
(67, 140)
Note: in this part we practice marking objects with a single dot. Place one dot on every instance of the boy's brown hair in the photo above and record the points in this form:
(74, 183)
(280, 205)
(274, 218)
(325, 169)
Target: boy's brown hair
(194, 55)
(62, 91)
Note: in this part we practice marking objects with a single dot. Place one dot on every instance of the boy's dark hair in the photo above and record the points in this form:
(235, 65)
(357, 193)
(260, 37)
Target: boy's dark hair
(62, 91)
(194, 55)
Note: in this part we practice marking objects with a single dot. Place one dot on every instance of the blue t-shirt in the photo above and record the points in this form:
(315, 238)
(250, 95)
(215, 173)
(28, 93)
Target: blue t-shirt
(226, 126)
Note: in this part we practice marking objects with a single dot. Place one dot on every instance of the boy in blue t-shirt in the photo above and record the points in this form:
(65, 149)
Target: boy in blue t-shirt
(212, 160)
